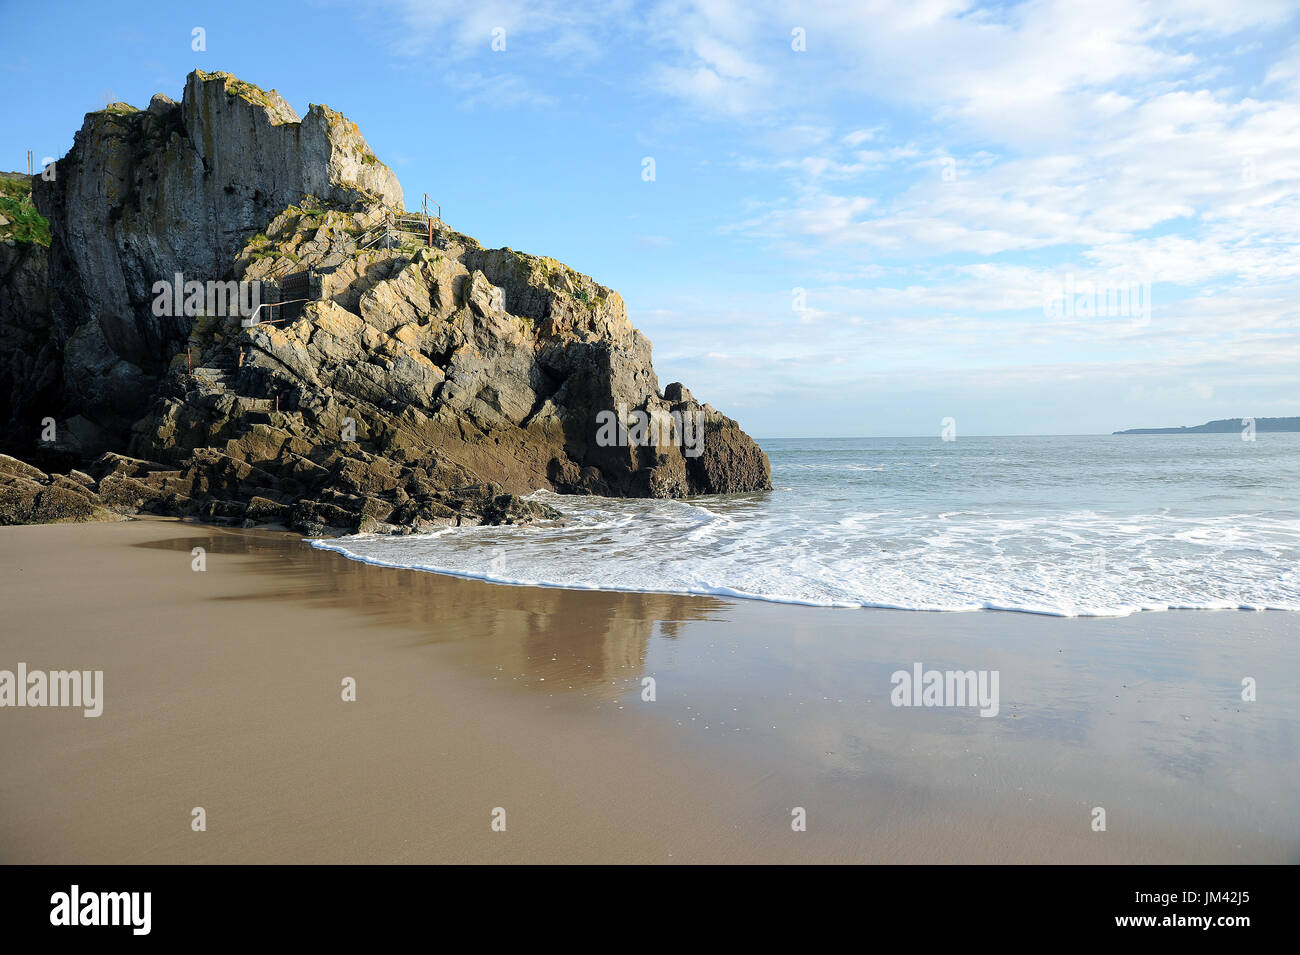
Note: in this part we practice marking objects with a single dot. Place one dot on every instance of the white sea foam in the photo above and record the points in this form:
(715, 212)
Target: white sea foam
(968, 539)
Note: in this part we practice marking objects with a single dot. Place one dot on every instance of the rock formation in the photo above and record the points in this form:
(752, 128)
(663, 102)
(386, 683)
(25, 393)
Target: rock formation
(30, 385)
(410, 377)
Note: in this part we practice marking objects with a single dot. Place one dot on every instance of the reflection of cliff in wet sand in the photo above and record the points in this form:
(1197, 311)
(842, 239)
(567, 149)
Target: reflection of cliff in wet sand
(601, 648)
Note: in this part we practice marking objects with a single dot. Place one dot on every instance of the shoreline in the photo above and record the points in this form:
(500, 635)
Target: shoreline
(222, 691)
(727, 594)
(331, 545)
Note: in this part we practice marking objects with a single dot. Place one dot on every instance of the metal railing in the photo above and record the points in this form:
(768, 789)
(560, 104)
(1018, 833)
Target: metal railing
(252, 319)
(398, 228)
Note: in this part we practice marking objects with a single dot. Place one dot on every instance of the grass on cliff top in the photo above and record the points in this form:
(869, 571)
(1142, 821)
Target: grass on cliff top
(15, 185)
(118, 109)
(250, 92)
(247, 91)
(25, 223)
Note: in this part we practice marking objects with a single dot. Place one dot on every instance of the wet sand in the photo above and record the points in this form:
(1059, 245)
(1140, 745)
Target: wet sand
(222, 689)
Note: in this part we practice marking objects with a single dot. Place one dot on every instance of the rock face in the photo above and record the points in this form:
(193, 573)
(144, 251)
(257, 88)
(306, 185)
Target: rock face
(30, 358)
(178, 187)
(424, 379)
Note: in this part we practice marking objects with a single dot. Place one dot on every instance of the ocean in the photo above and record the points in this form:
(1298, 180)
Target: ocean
(1090, 525)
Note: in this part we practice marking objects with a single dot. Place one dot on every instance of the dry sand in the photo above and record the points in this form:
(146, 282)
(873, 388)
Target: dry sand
(222, 689)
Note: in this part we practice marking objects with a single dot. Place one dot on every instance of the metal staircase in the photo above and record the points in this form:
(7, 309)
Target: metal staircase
(403, 229)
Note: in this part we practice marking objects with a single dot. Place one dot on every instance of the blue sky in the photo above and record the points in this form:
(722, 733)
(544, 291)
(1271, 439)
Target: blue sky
(925, 172)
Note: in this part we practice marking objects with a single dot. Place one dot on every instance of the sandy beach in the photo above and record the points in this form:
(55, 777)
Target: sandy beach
(222, 690)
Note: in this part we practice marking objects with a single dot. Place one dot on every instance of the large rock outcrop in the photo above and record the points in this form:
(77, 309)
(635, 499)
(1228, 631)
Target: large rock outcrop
(177, 187)
(30, 357)
(413, 378)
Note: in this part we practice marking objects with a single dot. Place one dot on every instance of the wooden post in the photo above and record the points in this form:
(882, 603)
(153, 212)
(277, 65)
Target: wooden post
(187, 359)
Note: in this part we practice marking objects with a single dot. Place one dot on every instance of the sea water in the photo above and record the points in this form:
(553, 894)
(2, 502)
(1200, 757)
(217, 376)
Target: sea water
(1075, 526)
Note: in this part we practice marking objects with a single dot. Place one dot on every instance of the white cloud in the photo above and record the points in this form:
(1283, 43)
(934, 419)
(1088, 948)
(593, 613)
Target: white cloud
(558, 28)
(1284, 75)
(497, 90)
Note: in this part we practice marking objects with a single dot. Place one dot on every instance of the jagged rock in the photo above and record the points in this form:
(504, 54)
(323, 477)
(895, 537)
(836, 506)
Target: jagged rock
(58, 503)
(17, 500)
(261, 510)
(176, 188)
(30, 355)
(30, 496)
(426, 381)
(17, 468)
(126, 495)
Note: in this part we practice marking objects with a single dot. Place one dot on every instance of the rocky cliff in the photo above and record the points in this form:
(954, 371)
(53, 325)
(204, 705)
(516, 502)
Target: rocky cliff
(411, 376)
(30, 388)
(29, 355)
(177, 187)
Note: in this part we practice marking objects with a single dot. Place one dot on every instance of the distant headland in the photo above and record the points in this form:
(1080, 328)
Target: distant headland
(1223, 426)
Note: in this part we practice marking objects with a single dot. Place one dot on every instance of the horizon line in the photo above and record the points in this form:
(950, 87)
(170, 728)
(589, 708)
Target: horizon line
(1077, 434)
